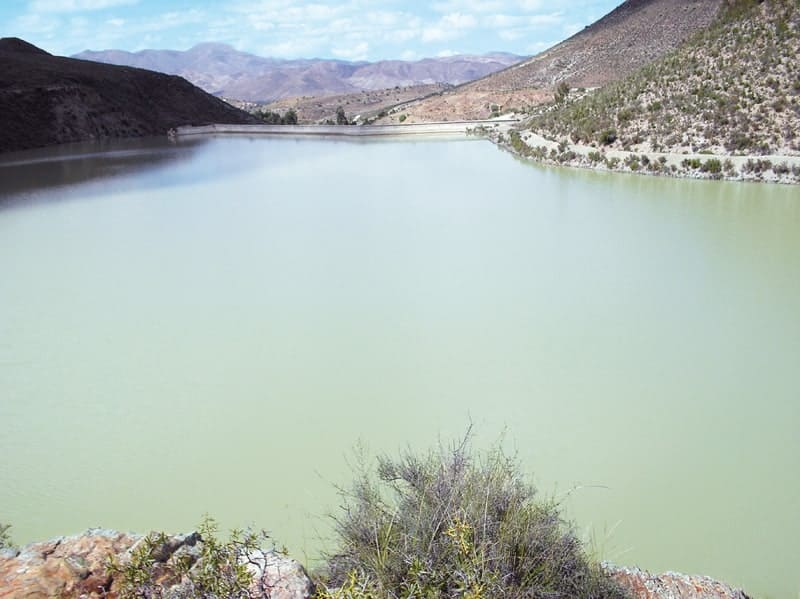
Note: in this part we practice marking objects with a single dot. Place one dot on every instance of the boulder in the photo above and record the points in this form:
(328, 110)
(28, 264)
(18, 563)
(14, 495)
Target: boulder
(276, 576)
(671, 585)
(64, 567)
(75, 567)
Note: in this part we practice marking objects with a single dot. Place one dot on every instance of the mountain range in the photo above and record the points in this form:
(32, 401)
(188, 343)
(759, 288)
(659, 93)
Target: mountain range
(223, 71)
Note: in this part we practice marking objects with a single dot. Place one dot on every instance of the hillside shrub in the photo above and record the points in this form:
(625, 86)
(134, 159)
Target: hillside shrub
(219, 572)
(275, 118)
(449, 523)
(692, 163)
(712, 165)
(5, 537)
(562, 92)
(607, 137)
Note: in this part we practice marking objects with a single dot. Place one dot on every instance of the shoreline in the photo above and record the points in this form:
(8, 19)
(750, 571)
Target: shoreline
(527, 145)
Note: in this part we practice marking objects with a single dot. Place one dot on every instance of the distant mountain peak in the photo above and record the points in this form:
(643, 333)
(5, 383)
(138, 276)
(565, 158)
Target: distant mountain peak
(220, 46)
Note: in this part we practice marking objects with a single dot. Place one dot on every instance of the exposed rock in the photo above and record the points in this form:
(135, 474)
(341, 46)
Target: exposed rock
(75, 567)
(64, 567)
(276, 576)
(671, 585)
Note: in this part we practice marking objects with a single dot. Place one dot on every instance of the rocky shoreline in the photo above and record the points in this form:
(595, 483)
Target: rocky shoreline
(76, 567)
(531, 146)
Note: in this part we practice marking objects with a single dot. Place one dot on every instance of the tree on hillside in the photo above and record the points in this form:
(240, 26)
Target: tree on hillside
(341, 117)
(562, 91)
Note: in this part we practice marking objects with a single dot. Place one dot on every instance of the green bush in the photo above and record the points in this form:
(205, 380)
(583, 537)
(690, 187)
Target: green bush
(275, 118)
(712, 165)
(5, 537)
(562, 92)
(451, 524)
(692, 163)
(609, 136)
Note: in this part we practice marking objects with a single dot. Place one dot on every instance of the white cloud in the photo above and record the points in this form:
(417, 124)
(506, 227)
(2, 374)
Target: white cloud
(52, 6)
(403, 35)
(36, 24)
(449, 27)
(357, 51)
(469, 6)
(531, 5)
(353, 29)
(510, 35)
(459, 21)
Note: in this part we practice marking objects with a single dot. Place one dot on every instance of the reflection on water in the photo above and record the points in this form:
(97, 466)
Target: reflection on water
(79, 163)
(213, 330)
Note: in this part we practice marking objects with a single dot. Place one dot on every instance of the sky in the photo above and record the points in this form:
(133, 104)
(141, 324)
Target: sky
(348, 29)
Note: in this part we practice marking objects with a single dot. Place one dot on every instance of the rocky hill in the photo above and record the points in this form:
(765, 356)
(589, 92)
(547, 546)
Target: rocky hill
(47, 100)
(634, 34)
(224, 71)
(734, 89)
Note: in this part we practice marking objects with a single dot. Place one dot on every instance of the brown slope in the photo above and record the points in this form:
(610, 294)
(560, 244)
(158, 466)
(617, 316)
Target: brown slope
(46, 100)
(631, 36)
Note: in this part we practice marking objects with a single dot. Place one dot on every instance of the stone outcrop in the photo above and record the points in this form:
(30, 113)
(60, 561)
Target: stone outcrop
(76, 567)
(671, 585)
(63, 567)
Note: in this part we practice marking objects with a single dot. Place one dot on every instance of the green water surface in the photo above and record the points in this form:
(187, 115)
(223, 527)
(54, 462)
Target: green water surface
(212, 326)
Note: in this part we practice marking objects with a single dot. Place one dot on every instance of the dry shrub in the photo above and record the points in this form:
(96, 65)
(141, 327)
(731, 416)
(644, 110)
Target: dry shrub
(450, 523)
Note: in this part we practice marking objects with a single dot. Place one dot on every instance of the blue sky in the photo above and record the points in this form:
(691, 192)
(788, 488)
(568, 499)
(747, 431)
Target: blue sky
(349, 29)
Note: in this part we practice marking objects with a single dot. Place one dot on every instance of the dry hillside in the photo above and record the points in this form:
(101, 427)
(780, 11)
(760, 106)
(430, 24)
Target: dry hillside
(631, 36)
(734, 89)
(46, 100)
(366, 105)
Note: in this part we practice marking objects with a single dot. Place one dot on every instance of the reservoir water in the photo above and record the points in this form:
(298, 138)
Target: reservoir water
(212, 326)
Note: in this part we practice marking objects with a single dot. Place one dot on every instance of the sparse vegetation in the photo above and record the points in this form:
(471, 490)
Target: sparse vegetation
(729, 89)
(341, 117)
(562, 92)
(275, 118)
(216, 570)
(5, 537)
(453, 524)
